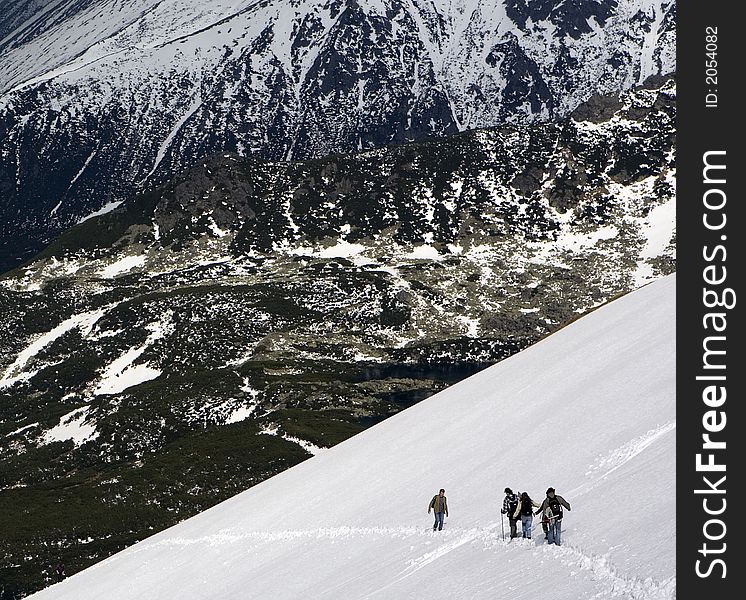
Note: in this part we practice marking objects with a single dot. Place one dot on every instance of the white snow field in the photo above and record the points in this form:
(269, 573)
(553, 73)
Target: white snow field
(590, 410)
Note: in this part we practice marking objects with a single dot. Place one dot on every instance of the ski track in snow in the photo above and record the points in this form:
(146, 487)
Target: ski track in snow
(595, 567)
(468, 536)
(621, 456)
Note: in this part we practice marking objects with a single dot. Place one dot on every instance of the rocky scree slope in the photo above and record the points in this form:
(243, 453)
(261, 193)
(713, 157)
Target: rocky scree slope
(209, 334)
(105, 98)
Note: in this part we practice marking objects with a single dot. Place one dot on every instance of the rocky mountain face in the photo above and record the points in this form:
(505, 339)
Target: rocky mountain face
(213, 332)
(101, 99)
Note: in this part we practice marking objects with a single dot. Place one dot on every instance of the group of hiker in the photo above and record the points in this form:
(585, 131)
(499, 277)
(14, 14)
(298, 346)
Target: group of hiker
(517, 506)
(520, 506)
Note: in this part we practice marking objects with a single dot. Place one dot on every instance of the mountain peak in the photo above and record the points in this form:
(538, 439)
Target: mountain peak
(121, 104)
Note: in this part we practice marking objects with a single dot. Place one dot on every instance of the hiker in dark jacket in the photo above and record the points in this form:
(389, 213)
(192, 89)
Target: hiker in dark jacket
(439, 505)
(525, 512)
(551, 508)
(509, 505)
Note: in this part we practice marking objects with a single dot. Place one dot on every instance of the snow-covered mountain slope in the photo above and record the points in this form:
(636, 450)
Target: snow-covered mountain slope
(589, 410)
(39, 36)
(163, 85)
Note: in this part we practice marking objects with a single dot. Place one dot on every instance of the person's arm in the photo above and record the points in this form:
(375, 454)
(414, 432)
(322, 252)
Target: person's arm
(517, 512)
(564, 502)
(541, 508)
(445, 505)
(430, 506)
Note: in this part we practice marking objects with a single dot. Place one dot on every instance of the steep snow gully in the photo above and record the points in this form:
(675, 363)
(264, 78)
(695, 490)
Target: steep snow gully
(589, 410)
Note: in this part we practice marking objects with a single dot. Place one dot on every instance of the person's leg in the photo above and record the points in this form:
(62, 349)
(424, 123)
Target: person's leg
(513, 528)
(435, 525)
(550, 531)
(526, 523)
(555, 526)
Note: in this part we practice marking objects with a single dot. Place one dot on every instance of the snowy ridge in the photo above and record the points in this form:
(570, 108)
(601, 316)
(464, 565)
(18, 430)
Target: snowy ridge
(164, 84)
(352, 523)
(74, 33)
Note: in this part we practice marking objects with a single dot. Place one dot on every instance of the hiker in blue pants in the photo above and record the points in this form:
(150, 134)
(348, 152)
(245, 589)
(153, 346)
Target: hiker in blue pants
(552, 510)
(439, 504)
(525, 511)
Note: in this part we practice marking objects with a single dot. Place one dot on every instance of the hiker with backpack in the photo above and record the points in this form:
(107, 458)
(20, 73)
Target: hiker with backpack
(525, 511)
(439, 504)
(551, 508)
(509, 506)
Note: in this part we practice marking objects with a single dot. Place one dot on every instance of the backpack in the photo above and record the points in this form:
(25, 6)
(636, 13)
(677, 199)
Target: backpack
(527, 508)
(512, 505)
(554, 508)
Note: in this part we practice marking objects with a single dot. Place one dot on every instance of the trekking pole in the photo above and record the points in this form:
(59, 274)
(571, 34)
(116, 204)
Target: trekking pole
(502, 528)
